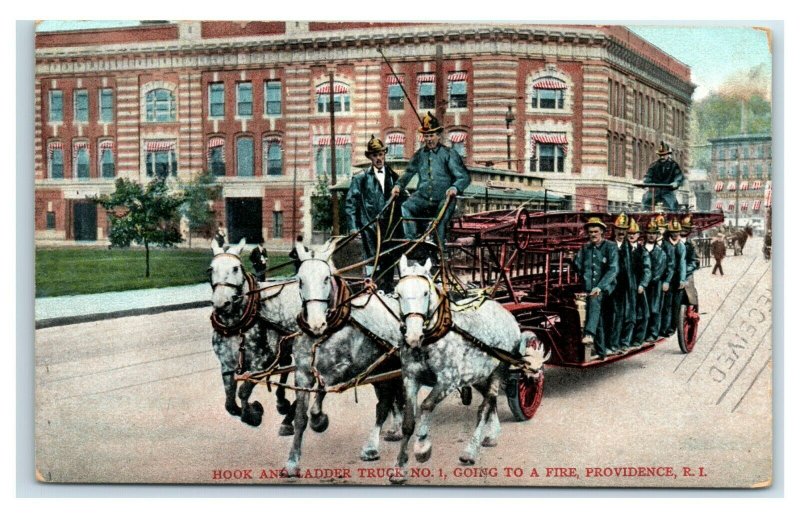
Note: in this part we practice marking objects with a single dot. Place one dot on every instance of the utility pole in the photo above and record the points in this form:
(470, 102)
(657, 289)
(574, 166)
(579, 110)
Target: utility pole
(509, 120)
(441, 103)
(738, 173)
(334, 194)
(294, 195)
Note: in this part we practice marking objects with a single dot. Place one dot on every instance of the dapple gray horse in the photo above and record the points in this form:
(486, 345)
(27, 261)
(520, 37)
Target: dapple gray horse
(452, 362)
(229, 299)
(325, 357)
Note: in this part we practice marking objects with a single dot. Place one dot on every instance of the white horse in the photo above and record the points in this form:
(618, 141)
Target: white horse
(328, 356)
(451, 361)
(238, 330)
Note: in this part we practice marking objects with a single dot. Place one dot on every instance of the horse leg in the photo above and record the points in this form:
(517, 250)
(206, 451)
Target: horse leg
(319, 419)
(412, 389)
(487, 408)
(302, 380)
(282, 405)
(371, 449)
(395, 431)
(230, 395)
(251, 412)
(422, 446)
(287, 426)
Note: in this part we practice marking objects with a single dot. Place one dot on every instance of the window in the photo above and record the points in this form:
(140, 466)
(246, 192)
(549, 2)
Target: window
(746, 152)
(548, 94)
(427, 91)
(244, 156)
(81, 106)
(277, 224)
(107, 159)
(106, 105)
(758, 170)
(244, 99)
(396, 101)
(396, 143)
(745, 170)
(81, 153)
(341, 98)
(272, 93)
(160, 159)
(273, 156)
(160, 106)
(56, 160)
(216, 100)
(457, 84)
(216, 156)
(323, 155)
(56, 112)
(51, 220)
(459, 141)
(549, 150)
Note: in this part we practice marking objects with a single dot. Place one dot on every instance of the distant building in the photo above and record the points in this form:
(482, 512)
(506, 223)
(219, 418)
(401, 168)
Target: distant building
(580, 108)
(701, 190)
(741, 171)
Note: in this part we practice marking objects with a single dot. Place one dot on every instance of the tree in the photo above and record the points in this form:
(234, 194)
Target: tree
(321, 206)
(196, 195)
(142, 214)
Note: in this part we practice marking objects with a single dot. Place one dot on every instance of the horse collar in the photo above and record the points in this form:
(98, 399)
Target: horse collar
(338, 308)
(249, 314)
(442, 318)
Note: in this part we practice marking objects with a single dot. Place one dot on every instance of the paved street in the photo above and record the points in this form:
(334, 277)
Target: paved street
(140, 399)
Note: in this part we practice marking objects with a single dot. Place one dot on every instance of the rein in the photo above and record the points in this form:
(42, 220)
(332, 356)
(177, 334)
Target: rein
(442, 315)
(249, 314)
(338, 311)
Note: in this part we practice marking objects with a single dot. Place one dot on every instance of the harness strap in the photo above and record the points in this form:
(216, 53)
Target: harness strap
(444, 320)
(494, 352)
(249, 314)
(338, 312)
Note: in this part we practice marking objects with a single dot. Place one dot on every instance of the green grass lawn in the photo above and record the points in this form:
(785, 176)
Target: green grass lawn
(73, 271)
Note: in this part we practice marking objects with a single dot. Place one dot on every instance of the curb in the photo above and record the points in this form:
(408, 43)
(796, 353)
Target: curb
(80, 319)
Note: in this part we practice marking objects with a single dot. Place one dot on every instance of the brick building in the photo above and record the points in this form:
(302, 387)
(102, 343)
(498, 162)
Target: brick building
(580, 108)
(741, 172)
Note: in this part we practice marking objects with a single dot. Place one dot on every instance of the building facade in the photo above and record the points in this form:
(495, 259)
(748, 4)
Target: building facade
(582, 108)
(741, 172)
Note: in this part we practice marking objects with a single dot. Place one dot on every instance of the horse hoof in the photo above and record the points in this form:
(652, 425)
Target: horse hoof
(370, 455)
(398, 478)
(393, 436)
(422, 451)
(286, 430)
(283, 406)
(253, 414)
(233, 409)
(319, 423)
(289, 472)
(489, 442)
(467, 460)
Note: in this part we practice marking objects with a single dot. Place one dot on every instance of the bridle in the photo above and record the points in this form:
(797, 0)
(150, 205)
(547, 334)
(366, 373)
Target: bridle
(441, 313)
(252, 306)
(338, 302)
(238, 287)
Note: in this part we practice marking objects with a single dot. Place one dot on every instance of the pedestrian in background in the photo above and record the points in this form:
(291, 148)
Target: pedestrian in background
(219, 237)
(718, 251)
(259, 258)
(293, 254)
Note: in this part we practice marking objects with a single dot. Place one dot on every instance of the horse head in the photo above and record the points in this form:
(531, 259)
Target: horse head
(418, 299)
(317, 286)
(227, 277)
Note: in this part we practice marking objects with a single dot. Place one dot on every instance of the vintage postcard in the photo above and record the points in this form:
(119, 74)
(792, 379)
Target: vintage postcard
(388, 253)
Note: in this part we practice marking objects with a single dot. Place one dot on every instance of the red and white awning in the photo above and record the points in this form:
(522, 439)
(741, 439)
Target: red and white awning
(394, 80)
(756, 205)
(756, 184)
(457, 137)
(160, 145)
(744, 185)
(732, 186)
(272, 140)
(731, 205)
(719, 205)
(325, 140)
(744, 206)
(457, 76)
(52, 146)
(338, 88)
(768, 195)
(719, 186)
(549, 84)
(396, 138)
(216, 142)
(107, 144)
(77, 146)
(426, 78)
(549, 138)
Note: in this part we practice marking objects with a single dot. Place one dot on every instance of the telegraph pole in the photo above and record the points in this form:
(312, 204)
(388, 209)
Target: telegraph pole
(738, 173)
(334, 194)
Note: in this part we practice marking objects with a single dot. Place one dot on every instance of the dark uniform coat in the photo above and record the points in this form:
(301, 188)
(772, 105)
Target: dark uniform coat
(598, 267)
(259, 258)
(642, 270)
(438, 169)
(673, 298)
(621, 313)
(655, 295)
(663, 171)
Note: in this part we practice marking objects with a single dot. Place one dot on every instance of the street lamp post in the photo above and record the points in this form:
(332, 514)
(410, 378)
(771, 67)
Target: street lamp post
(509, 120)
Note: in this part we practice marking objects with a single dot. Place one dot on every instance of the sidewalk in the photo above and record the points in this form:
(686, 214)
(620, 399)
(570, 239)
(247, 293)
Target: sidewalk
(73, 309)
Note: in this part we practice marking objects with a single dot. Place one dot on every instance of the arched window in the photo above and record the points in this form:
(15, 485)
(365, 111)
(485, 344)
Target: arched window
(160, 106)
(459, 141)
(244, 156)
(341, 97)
(273, 155)
(55, 160)
(107, 169)
(548, 94)
(549, 150)
(396, 142)
(80, 155)
(216, 156)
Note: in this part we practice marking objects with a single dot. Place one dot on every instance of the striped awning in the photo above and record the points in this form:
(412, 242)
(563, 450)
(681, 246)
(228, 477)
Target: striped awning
(756, 184)
(756, 205)
(768, 196)
(325, 140)
(457, 137)
(457, 76)
(744, 186)
(396, 138)
(550, 84)
(731, 205)
(394, 80)
(272, 140)
(744, 206)
(719, 205)
(549, 138)
(338, 88)
(426, 78)
(107, 144)
(52, 146)
(216, 142)
(77, 146)
(731, 186)
(160, 145)
(719, 186)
